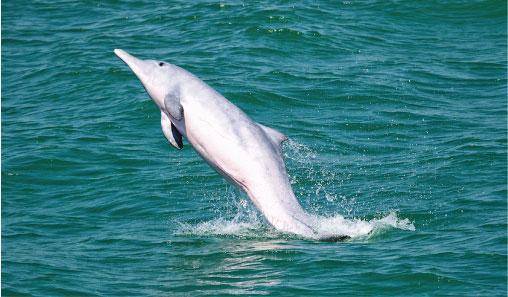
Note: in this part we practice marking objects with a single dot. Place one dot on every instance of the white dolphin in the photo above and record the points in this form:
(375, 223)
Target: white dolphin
(246, 153)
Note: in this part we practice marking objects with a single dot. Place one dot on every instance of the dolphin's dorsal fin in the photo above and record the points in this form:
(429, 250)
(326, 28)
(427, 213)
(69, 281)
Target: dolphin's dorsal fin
(275, 136)
(174, 137)
(173, 106)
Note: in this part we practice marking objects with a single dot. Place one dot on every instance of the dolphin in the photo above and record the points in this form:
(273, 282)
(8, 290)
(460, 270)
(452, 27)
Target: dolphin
(246, 153)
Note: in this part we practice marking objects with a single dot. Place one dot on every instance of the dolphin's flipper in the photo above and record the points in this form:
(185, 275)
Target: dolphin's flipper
(173, 106)
(275, 136)
(174, 137)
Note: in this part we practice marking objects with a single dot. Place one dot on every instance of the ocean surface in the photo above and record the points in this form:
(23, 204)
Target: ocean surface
(396, 113)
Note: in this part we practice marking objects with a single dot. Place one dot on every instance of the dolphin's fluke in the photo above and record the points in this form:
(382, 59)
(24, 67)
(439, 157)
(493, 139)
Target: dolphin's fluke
(335, 238)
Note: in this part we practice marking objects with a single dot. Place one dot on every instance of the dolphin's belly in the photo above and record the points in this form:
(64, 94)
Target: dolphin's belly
(231, 143)
(235, 152)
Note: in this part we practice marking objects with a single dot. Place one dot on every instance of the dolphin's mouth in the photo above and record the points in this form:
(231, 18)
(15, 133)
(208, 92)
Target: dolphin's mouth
(122, 54)
(135, 64)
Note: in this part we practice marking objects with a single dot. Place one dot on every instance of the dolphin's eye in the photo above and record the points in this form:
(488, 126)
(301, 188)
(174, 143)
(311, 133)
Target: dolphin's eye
(161, 64)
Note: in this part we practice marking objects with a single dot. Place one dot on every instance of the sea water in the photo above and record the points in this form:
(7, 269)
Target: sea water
(395, 113)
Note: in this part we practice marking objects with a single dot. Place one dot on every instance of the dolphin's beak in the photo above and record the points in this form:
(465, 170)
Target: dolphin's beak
(136, 65)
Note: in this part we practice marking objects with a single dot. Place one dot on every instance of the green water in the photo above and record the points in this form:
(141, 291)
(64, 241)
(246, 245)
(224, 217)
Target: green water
(396, 113)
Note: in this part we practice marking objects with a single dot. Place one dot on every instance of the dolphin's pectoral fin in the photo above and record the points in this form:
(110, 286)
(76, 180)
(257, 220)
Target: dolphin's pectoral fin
(274, 135)
(173, 106)
(173, 136)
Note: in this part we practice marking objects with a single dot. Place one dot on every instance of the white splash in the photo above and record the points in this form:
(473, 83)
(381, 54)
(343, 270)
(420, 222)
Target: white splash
(221, 227)
(354, 228)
